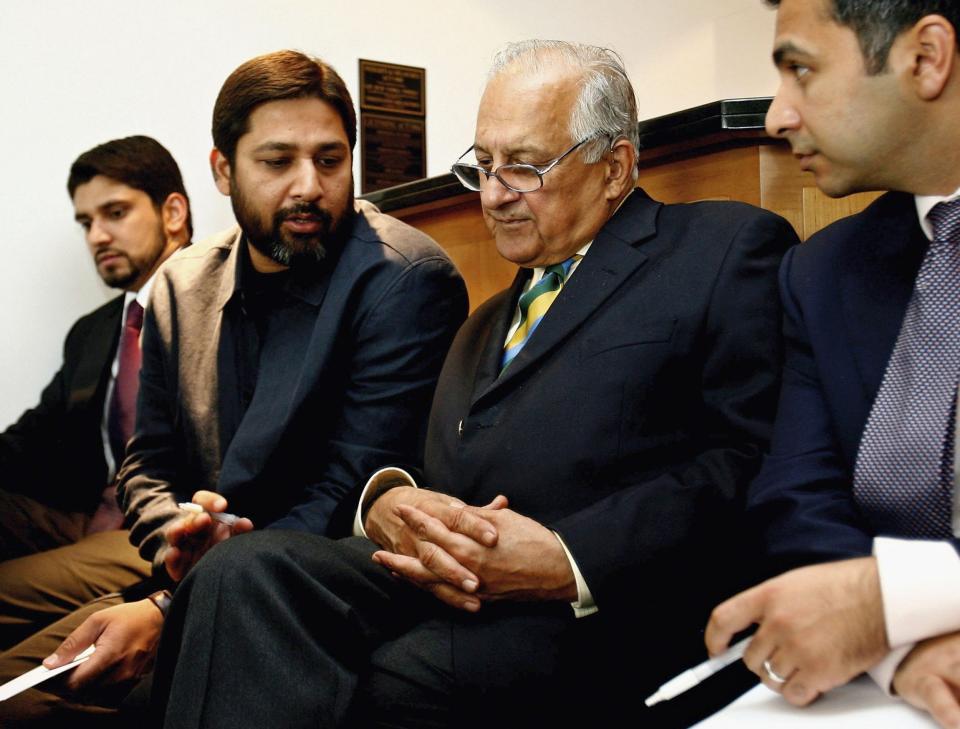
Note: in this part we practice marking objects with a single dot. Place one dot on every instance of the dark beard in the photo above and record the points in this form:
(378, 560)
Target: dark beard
(117, 280)
(286, 248)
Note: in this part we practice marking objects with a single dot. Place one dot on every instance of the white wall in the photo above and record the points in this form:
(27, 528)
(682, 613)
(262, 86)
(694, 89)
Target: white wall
(75, 74)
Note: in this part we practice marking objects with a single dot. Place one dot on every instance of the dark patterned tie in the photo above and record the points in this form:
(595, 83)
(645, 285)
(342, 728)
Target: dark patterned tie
(904, 473)
(123, 405)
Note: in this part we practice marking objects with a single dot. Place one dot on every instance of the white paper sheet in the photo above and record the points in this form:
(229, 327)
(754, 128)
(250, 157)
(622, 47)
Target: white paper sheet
(858, 705)
(40, 674)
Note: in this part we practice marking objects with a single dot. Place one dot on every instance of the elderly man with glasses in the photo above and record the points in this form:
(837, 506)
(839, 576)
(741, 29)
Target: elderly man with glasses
(590, 439)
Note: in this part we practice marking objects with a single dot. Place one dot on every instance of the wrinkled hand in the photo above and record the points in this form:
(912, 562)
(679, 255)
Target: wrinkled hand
(929, 678)
(385, 527)
(526, 562)
(192, 536)
(819, 626)
(126, 637)
(389, 531)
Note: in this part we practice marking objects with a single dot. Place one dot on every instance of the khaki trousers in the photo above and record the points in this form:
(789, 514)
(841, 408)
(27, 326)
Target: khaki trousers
(60, 570)
(61, 577)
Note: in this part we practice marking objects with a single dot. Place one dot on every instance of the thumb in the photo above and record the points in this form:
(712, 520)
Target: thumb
(75, 643)
(499, 502)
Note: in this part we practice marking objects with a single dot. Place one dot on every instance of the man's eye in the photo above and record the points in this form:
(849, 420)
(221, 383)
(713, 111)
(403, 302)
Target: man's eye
(116, 213)
(798, 70)
(276, 164)
(328, 162)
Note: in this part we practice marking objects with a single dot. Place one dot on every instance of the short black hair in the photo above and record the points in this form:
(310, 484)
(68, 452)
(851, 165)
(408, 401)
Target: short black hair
(877, 23)
(139, 162)
(272, 77)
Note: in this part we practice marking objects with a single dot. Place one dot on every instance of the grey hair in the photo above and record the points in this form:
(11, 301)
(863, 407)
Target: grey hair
(606, 105)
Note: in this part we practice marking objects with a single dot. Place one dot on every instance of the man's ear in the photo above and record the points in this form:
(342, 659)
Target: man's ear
(928, 50)
(621, 167)
(174, 212)
(220, 167)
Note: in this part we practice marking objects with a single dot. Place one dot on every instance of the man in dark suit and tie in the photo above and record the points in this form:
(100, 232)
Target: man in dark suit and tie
(862, 471)
(590, 436)
(61, 541)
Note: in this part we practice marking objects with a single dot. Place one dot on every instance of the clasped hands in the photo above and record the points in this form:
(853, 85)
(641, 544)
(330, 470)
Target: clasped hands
(126, 635)
(467, 555)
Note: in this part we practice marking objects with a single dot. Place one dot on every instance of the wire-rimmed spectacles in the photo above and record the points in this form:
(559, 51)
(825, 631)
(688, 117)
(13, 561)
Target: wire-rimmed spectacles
(518, 177)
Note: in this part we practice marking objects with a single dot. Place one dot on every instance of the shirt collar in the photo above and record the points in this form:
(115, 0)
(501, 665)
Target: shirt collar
(926, 203)
(539, 270)
(141, 297)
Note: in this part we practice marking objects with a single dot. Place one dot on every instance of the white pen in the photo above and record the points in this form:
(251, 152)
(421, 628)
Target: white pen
(694, 676)
(228, 519)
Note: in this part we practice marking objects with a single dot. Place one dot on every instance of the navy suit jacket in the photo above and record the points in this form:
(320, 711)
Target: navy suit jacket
(54, 452)
(632, 420)
(343, 384)
(845, 292)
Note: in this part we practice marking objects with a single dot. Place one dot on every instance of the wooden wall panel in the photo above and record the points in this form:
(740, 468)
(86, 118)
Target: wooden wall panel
(819, 210)
(460, 229)
(792, 193)
(729, 174)
(761, 173)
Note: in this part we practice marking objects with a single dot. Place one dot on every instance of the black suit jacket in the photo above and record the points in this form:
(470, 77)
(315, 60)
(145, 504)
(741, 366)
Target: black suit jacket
(632, 420)
(54, 452)
(845, 293)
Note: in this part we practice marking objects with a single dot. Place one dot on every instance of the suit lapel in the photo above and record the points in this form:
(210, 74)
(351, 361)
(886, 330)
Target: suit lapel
(495, 334)
(93, 369)
(876, 286)
(611, 260)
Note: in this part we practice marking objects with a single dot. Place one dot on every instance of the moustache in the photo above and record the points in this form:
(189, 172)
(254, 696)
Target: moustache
(107, 253)
(304, 210)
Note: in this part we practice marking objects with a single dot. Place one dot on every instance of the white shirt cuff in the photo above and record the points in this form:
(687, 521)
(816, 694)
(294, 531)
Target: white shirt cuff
(375, 486)
(882, 673)
(585, 604)
(920, 586)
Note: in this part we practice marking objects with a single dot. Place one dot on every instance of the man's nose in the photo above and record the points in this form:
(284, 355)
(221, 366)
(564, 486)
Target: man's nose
(98, 234)
(306, 184)
(494, 193)
(782, 116)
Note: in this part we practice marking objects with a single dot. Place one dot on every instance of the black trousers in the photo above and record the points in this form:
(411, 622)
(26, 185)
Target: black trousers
(283, 629)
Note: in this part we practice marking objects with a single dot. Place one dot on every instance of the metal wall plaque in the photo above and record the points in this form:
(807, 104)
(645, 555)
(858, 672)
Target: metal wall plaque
(393, 123)
(394, 150)
(393, 88)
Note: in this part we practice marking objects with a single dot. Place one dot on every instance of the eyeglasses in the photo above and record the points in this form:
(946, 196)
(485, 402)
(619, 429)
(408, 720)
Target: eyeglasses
(516, 177)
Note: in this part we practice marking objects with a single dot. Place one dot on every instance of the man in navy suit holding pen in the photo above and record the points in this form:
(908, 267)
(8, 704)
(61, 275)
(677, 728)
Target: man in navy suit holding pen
(863, 468)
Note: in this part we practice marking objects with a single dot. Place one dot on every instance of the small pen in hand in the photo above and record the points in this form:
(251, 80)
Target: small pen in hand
(696, 675)
(228, 519)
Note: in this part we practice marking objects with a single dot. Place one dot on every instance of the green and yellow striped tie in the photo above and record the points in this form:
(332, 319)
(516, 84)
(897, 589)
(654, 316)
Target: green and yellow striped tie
(534, 304)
